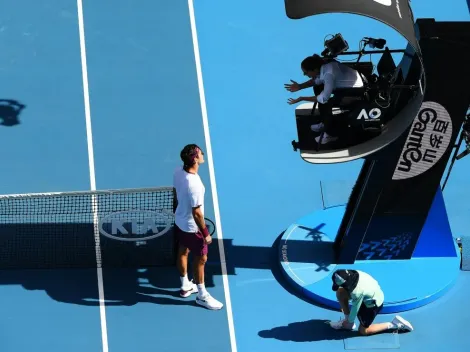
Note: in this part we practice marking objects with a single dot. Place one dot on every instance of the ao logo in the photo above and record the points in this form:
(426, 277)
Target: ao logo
(136, 225)
(427, 141)
(373, 114)
(384, 2)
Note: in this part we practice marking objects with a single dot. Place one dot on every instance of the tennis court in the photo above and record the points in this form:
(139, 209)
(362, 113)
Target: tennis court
(102, 95)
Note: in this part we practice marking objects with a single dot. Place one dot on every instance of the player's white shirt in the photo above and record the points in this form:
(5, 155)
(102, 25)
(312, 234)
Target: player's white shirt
(190, 193)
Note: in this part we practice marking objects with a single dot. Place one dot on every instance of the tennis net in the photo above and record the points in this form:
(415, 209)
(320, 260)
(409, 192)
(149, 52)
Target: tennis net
(108, 228)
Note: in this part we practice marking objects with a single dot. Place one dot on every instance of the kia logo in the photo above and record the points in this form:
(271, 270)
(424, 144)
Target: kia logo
(136, 225)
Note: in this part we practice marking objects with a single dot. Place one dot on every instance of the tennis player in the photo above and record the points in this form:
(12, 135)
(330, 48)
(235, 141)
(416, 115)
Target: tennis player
(367, 300)
(191, 231)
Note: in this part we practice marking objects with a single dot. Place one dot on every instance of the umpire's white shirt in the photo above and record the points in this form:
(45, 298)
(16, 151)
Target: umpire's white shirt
(336, 75)
(190, 193)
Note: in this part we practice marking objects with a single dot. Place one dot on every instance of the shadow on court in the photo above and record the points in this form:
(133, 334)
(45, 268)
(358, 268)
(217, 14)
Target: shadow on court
(9, 112)
(122, 287)
(306, 331)
(126, 286)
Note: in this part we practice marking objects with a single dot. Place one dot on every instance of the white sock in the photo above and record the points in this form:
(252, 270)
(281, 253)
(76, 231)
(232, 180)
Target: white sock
(392, 326)
(184, 281)
(201, 288)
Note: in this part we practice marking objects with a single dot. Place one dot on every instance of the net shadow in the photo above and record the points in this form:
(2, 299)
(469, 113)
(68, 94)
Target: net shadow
(73, 246)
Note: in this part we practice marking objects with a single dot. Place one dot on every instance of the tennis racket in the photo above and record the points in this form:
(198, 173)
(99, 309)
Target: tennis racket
(210, 225)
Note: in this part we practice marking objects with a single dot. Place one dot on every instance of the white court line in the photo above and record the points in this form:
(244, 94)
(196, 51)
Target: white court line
(212, 177)
(91, 161)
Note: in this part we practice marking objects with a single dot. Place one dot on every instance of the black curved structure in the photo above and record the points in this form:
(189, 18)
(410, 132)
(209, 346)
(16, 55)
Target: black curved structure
(396, 14)
(401, 176)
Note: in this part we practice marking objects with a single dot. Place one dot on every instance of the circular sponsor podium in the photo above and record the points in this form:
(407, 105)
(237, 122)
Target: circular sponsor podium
(307, 260)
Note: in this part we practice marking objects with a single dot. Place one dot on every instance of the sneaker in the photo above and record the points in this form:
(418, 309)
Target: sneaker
(209, 302)
(339, 325)
(402, 324)
(325, 139)
(188, 291)
(317, 127)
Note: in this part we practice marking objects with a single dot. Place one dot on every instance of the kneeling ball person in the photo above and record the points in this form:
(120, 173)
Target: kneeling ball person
(367, 300)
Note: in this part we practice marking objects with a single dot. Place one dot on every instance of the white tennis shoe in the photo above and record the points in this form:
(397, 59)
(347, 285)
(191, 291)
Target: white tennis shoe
(402, 324)
(189, 290)
(339, 325)
(209, 302)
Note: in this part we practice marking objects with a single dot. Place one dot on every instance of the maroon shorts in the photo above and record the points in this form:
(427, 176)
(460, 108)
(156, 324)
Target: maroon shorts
(194, 241)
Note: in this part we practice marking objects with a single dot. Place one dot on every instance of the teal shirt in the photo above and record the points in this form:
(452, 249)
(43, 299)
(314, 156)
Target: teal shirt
(367, 291)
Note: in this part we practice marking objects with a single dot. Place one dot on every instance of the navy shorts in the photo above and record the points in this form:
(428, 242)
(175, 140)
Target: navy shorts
(367, 315)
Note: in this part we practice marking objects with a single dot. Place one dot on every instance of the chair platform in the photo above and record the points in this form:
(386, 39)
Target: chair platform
(306, 259)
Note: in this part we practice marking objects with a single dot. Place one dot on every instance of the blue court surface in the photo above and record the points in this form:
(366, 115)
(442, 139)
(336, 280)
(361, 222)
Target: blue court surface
(108, 92)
